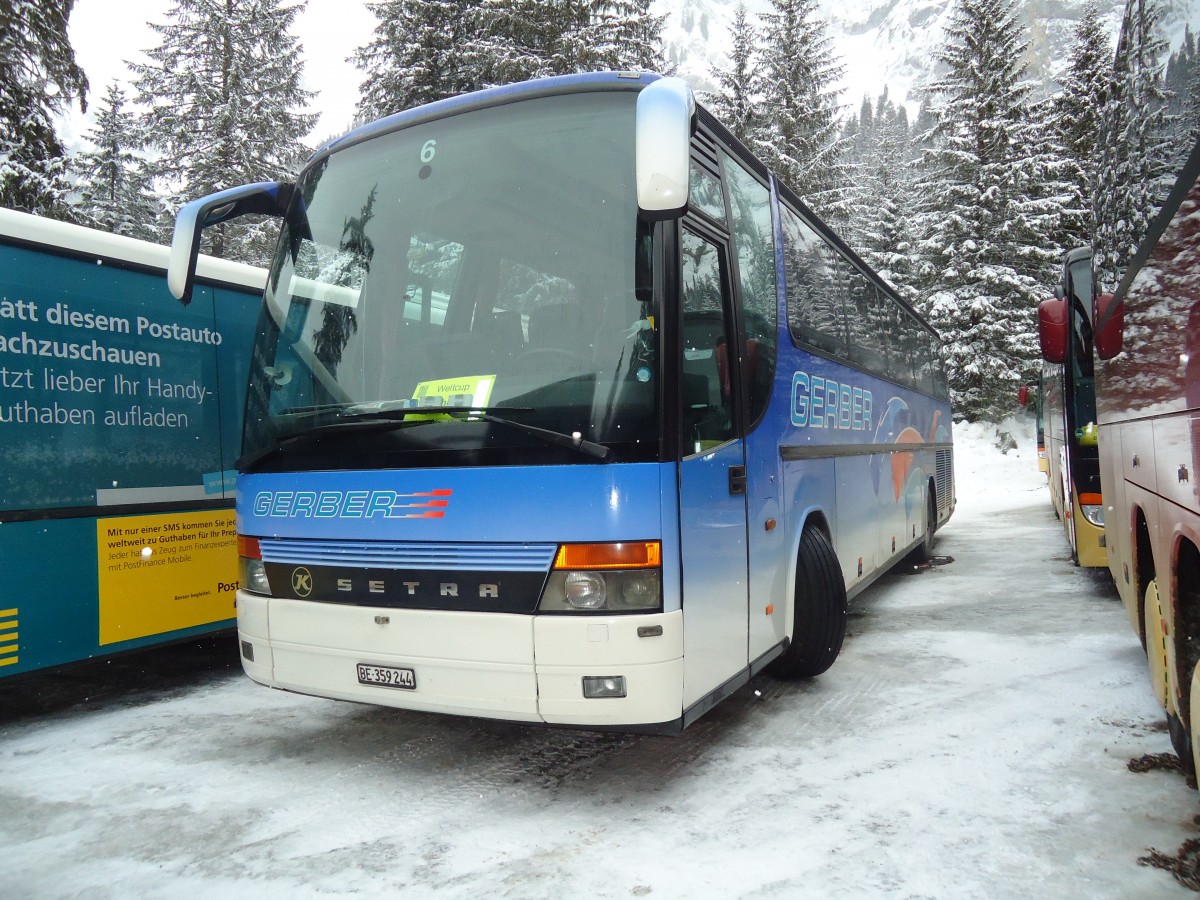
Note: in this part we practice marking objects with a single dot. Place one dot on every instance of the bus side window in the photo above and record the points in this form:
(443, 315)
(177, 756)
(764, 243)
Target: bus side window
(707, 408)
(755, 243)
(814, 290)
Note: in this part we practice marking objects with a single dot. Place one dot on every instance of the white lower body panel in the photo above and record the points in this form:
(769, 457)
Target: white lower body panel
(495, 665)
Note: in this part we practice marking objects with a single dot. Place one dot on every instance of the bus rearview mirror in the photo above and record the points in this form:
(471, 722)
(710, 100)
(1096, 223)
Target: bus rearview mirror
(663, 138)
(1109, 334)
(269, 198)
(1023, 395)
(1052, 330)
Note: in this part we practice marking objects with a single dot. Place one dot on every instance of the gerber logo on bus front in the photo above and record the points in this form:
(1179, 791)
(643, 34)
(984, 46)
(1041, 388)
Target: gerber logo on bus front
(351, 504)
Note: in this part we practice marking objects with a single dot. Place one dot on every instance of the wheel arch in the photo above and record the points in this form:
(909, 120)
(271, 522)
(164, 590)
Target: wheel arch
(1143, 565)
(1184, 614)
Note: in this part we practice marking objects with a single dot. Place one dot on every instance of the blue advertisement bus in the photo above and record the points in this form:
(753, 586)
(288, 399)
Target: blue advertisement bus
(120, 420)
(562, 409)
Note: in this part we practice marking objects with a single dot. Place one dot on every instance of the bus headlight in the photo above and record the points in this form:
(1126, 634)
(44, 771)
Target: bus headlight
(615, 577)
(585, 590)
(252, 572)
(1092, 506)
(637, 589)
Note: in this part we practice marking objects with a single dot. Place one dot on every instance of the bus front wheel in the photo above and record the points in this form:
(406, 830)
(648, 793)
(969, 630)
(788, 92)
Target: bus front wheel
(820, 615)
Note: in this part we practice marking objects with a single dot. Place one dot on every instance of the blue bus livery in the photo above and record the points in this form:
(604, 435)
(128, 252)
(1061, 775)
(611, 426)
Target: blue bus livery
(562, 409)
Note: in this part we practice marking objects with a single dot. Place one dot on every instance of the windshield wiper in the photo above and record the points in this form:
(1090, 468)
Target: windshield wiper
(484, 414)
(396, 417)
(557, 438)
(372, 423)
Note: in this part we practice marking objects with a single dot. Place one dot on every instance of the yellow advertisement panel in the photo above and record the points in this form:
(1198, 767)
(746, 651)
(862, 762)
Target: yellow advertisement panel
(160, 573)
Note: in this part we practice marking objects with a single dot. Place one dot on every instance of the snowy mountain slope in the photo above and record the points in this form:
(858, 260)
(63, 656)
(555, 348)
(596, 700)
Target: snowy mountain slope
(889, 42)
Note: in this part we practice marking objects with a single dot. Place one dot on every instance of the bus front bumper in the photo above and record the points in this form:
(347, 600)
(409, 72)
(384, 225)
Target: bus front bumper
(495, 665)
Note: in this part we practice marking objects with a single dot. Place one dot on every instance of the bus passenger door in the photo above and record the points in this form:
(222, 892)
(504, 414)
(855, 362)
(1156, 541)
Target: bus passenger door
(712, 476)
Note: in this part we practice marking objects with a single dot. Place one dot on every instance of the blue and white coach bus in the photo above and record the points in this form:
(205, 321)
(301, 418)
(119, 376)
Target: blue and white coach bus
(563, 410)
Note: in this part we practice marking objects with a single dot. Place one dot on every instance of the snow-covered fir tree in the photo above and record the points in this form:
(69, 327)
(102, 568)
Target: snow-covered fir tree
(417, 55)
(1087, 85)
(426, 50)
(1135, 168)
(523, 39)
(738, 97)
(879, 191)
(225, 106)
(800, 103)
(38, 80)
(1181, 84)
(986, 254)
(112, 180)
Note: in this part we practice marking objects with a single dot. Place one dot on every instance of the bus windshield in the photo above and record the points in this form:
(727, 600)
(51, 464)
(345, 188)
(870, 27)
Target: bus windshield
(492, 260)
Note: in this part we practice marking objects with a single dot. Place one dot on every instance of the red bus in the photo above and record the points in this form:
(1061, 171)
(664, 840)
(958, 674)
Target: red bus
(1068, 411)
(1147, 342)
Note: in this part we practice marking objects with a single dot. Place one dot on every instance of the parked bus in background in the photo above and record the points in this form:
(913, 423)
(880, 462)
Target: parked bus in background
(1148, 398)
(1040, 418)
(1068, 411)
(1033, 399)
(563, 410)
(120, 417)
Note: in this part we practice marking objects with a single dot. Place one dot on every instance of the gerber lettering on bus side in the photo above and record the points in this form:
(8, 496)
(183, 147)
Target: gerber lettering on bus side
(824, 403)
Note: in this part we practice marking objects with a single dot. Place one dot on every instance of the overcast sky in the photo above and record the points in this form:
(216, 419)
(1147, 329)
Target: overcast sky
(106, 35)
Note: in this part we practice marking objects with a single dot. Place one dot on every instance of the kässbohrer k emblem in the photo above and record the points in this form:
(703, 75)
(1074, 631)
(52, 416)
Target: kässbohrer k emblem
(302, 581)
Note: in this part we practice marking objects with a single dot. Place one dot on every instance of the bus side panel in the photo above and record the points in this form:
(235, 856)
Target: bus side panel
(1055, 434)
(1116, 530)
(113, 397)
(49, 593)
(864, 516)
(51, 611)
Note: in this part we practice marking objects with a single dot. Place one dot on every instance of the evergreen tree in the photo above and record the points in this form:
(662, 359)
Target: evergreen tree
(885, 240)
(1182, 88)
(426, 50)
(223, 99)
(739, 92)
(986, 251)
(39, 78)
(522, 39)
(1134, 170)
(800, 138)
(112, 179)
(1086, 87)
(417, 55)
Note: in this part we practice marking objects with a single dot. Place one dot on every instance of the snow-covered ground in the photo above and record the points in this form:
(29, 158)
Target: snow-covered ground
(971, 741)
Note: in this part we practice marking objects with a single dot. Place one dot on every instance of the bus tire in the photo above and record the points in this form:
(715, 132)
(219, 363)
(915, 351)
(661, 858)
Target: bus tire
(923, 552)
(1194, 711)
(1181, 742)
(820, 616)
(1156, 646)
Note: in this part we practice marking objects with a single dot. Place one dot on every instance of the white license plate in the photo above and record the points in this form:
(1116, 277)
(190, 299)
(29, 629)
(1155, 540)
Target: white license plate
(387, 676)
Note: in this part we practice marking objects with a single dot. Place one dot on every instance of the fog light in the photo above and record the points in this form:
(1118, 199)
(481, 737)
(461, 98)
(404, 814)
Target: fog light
(640, 589)
(598, 686)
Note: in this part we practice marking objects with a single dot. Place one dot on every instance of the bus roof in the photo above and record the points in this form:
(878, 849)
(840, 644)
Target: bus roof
(497, 96)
